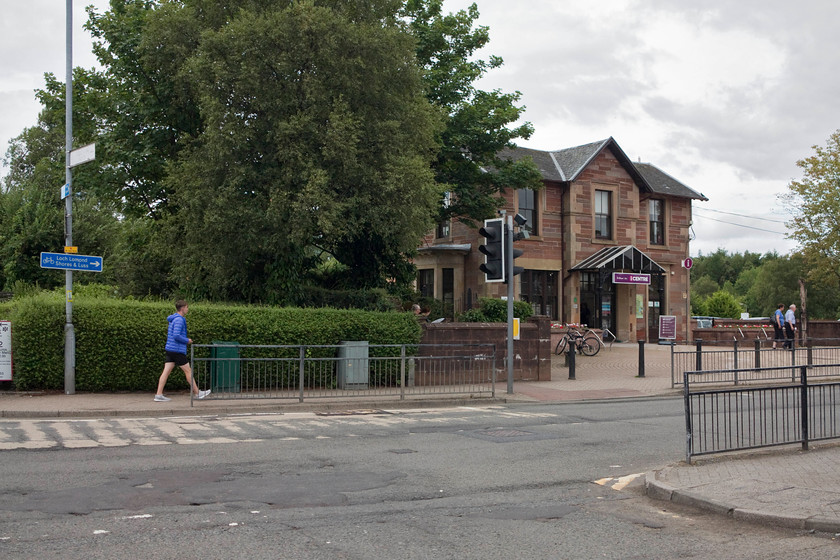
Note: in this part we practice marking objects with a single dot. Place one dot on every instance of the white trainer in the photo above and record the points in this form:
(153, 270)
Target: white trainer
(202, 394)
(161, 398)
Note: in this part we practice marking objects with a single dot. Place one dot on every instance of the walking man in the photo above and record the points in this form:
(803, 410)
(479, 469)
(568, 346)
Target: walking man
(790, 325)
(176, 352)
(778, 325)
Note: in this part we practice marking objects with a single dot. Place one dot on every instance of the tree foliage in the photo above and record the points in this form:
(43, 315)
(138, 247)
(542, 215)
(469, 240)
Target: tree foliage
(814, 201)
(479, 123)
(761, 283)
(243, 145)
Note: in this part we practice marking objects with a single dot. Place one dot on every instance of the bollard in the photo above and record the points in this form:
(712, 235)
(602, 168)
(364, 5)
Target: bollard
(757, 354)
(641, 358)
(735, 360)
(571, 358)
(699, 361)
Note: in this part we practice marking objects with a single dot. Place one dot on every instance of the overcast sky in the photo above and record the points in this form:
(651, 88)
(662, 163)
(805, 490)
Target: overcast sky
(724, 95)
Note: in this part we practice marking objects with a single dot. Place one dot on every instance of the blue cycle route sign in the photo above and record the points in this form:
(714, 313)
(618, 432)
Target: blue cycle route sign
(64, 261)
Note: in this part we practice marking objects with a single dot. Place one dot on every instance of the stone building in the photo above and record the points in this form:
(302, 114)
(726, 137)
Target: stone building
(608, 239)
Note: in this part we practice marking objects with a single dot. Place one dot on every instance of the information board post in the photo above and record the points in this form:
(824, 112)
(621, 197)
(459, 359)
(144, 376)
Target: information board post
(5, 351)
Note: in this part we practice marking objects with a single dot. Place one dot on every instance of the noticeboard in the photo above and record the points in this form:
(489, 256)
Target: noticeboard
(667, 327)
(5, 350)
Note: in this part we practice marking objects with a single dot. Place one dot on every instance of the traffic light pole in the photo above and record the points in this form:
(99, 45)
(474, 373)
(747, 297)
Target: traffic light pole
(508, 254)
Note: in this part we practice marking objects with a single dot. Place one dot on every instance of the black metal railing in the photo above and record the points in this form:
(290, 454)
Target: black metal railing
(739, 418)
(756, 362)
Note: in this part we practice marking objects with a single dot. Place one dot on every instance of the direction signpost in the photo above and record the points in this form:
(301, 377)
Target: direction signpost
(62, 261)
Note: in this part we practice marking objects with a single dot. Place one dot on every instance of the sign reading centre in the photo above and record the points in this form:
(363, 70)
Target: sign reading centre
(630, 278)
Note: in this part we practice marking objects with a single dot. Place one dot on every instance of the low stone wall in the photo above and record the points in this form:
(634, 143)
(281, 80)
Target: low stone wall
(821, 333)
(532, 351)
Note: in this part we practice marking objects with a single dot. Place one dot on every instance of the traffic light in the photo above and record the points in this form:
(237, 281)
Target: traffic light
(514, 253)
(493, 249)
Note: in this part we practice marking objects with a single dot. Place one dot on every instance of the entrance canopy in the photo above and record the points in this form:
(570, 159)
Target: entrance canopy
(627, 257)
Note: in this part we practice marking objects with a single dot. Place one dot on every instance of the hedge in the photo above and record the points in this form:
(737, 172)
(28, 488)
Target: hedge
(120, 343)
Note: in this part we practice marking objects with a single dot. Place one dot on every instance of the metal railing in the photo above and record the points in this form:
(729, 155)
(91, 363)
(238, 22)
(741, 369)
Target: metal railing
(745, 364)
(732, 419)
(300, 372)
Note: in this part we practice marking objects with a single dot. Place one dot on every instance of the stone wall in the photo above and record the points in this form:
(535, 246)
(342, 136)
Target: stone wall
(532, 351)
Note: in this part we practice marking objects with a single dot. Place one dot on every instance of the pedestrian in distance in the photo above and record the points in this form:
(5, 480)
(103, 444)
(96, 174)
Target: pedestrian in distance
(790, 325)
(176, 352)
(778, 325)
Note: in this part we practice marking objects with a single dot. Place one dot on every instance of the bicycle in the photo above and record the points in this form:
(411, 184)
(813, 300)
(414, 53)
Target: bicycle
(608, 335)
(585, 346)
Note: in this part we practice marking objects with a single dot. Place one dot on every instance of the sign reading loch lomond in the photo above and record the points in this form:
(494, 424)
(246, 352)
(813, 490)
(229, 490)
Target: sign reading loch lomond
(630, 278)
(64, 261)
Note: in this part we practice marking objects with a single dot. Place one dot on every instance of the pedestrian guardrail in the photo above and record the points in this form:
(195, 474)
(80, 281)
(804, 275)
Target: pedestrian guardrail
(752, 363)
(350, 369)
(732, 419)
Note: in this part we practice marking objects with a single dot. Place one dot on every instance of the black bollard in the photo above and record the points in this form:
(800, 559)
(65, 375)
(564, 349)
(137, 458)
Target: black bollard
(641, 358)
(571, 356)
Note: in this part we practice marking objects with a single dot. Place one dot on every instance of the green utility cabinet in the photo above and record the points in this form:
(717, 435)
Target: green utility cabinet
(225, 368)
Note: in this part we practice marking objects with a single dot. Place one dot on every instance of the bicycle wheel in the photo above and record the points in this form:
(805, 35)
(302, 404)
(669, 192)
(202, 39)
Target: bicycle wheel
(588, 348)
(561, 345)
(594, 343)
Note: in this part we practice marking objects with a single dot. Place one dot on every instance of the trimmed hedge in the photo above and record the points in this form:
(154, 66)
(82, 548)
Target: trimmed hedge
(120, 343)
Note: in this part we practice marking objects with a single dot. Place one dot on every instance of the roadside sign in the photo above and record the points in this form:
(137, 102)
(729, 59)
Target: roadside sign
(687, 263)
(71, 249)
(5, 350)
(65, 191)
(82, 155)
(63, 261)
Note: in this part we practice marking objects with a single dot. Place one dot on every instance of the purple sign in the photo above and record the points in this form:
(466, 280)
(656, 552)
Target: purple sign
(630, 278)
(667, 327)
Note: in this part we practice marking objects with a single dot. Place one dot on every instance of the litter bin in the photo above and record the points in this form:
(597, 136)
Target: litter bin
(353, 364)
(225, 367)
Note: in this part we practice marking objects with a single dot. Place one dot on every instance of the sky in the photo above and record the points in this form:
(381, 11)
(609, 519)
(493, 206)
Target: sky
(725, 96)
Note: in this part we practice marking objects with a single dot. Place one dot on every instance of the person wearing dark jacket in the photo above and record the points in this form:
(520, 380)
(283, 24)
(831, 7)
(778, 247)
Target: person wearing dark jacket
(176, 352)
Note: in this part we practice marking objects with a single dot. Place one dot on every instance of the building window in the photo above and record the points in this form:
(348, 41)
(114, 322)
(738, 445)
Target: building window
(443, 229)
(603, 215)
(527, 203)
(426, 282)
(539, 288)
(448, 280)
(657, 222)
(444, 226)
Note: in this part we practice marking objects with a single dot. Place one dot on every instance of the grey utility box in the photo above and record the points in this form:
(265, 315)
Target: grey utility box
(353, 364)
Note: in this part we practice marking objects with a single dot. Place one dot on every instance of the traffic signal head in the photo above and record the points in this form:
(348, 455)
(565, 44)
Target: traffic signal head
(493, 249)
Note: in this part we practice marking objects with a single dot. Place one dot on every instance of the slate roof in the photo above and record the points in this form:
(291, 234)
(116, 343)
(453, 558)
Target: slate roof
(566, 165)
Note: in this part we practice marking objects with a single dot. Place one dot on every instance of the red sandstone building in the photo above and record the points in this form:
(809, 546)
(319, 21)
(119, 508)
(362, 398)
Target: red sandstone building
(598, 214)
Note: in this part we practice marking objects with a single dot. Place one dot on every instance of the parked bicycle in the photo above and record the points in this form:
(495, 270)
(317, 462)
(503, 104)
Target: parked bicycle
(606, 336)
(588, 346)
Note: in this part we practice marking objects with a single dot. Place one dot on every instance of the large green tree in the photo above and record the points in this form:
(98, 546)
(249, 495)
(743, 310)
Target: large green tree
(814, 201)
(480, 124)
(31, 213)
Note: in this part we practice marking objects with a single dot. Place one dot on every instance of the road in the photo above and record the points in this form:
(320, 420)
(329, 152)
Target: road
(504, 481)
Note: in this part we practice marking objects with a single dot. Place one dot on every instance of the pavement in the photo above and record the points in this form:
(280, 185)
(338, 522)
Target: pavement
(784, 486)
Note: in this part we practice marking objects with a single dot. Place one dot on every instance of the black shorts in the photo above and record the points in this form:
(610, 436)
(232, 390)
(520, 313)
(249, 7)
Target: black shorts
(177, 357)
